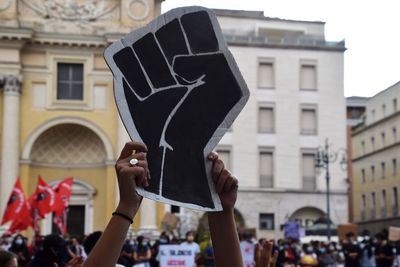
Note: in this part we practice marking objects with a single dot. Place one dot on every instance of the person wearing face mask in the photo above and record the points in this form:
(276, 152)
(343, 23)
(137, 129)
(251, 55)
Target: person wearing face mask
(367, 258)
(308, 257)
(142, 252)
(5, 242)
(19, 248)
(351, 251)
(326, 257)
(193, 246)
(126, 257)
(54, 251)
(163, 240)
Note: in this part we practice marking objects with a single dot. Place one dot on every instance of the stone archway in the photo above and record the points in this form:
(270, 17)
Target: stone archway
(306, 216)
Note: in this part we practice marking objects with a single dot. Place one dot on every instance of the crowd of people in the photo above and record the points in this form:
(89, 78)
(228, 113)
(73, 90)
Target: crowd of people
(46, 251)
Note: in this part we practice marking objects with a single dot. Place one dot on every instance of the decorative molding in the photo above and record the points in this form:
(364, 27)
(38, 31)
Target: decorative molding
(70, 10)
(11, 83)
(133, 16)
(5, 5)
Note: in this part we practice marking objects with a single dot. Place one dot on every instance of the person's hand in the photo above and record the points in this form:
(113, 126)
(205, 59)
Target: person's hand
(131, 176)
(226, 185)
(264, 256)
(74, 262)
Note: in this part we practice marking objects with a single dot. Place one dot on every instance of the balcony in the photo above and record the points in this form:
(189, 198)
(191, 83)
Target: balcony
(234, 38)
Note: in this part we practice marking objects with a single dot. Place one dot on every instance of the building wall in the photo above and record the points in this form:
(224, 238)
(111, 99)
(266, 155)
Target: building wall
(367, 154)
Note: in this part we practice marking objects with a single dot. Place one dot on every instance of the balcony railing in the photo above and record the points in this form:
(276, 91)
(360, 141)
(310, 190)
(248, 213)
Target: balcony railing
(302, 40)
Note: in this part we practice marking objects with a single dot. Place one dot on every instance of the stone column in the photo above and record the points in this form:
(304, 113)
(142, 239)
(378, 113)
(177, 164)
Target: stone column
(11, 85)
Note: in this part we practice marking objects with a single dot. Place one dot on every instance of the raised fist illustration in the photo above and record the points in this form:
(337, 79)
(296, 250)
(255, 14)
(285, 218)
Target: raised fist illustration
(178, 90)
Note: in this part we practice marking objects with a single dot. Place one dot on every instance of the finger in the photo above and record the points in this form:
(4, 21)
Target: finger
(133, 74)
(153, 61)
(172, 41)
(217, 168)
(213, 156)
(200, 32)
(274, 259)
(267, 252)
(130, 147)
(222, 180)
(257, 254)
(229, 184)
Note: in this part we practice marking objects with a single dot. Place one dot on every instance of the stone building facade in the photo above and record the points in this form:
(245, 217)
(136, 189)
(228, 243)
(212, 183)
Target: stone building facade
(57, 114)
(375, 161)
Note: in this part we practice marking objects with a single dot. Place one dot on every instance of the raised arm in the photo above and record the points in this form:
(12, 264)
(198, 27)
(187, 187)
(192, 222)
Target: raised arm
(222, 224)
(108, 248)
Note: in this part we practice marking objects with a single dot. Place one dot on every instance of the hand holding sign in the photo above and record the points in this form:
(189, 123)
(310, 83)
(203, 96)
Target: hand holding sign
(178, 90)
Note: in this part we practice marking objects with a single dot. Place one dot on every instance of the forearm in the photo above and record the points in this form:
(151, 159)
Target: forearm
(108, 248)
(225, 239)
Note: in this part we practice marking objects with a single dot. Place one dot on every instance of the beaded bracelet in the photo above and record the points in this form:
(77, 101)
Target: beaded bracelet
(123, 216)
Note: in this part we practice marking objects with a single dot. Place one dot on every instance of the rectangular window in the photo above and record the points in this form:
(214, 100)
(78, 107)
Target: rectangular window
(395, 208)
(394, 167)
(383, 138)
(363, 176)
(266, 120)
(373, 115)
(309, 179)
(372, 173)
(373, 205)
(362, 147)
(69, 81)
(395, 105)
(266, 169)
(267, 221)
(394, 133)
(373, 143)
(383, 170)
(308, 77)
(225, 156)
(383, 110)
(308, 121)
(363, 206)
(266, 75)
(383, 204)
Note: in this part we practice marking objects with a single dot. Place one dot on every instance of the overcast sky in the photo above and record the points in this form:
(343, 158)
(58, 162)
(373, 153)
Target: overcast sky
(370, 28)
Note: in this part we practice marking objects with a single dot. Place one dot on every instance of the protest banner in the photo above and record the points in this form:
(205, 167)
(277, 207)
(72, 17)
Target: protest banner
(394, 233)
(343, 229)
(176, 255)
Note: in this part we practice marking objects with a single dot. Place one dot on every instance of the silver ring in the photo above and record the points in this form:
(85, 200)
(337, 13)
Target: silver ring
(133, 162)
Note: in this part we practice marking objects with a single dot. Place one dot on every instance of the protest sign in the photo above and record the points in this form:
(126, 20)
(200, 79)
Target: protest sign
(178, 90)
(176, 255)
(394, 233)
(247, 249)
(343, 229)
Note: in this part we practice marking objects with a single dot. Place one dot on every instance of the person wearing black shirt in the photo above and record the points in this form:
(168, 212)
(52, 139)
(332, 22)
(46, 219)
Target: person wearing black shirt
(351, 250)
(384, 254)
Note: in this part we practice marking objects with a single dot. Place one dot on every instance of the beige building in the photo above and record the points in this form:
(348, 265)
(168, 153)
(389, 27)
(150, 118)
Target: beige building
(296, 101)
(376, 150)
(57, 113)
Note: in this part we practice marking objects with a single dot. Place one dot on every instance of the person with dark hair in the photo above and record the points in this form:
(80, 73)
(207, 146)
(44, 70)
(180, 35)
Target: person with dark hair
(351, 251)
(142, 252)
(8, 259)
(91, 240)
(222, 224)
(126, 257)
(54, 251)
(20, 248)
(367, 258)
(192, 245)
(384, 254)
(77, 249)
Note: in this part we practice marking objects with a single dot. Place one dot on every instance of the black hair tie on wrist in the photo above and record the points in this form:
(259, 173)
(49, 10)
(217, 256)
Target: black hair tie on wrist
(123, 216)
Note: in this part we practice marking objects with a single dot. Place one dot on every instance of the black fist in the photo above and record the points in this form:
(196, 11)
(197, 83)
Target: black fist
(178, 90)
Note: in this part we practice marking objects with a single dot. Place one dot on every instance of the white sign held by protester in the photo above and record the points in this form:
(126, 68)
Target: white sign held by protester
(175, 255)
(247, 253)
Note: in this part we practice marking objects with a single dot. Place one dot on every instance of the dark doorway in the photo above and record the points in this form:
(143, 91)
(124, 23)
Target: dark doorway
(75, 221)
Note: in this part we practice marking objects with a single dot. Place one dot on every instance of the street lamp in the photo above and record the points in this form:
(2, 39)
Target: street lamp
(323, 157)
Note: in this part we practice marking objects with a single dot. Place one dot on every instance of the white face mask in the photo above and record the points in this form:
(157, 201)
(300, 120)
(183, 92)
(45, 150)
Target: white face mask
(366, 238)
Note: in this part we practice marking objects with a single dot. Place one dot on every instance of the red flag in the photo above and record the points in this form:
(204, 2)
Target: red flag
(16, 206)
(23, 221)
(63, 191)
(43, 200)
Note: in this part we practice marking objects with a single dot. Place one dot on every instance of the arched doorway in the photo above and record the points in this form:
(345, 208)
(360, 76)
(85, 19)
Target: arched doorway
(306, 216)
(66, 150)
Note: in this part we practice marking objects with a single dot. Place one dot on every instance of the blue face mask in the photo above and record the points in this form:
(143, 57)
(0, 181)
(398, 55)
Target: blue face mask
(322, 250)
(309, 249)
(163, 241)
(19, 242)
